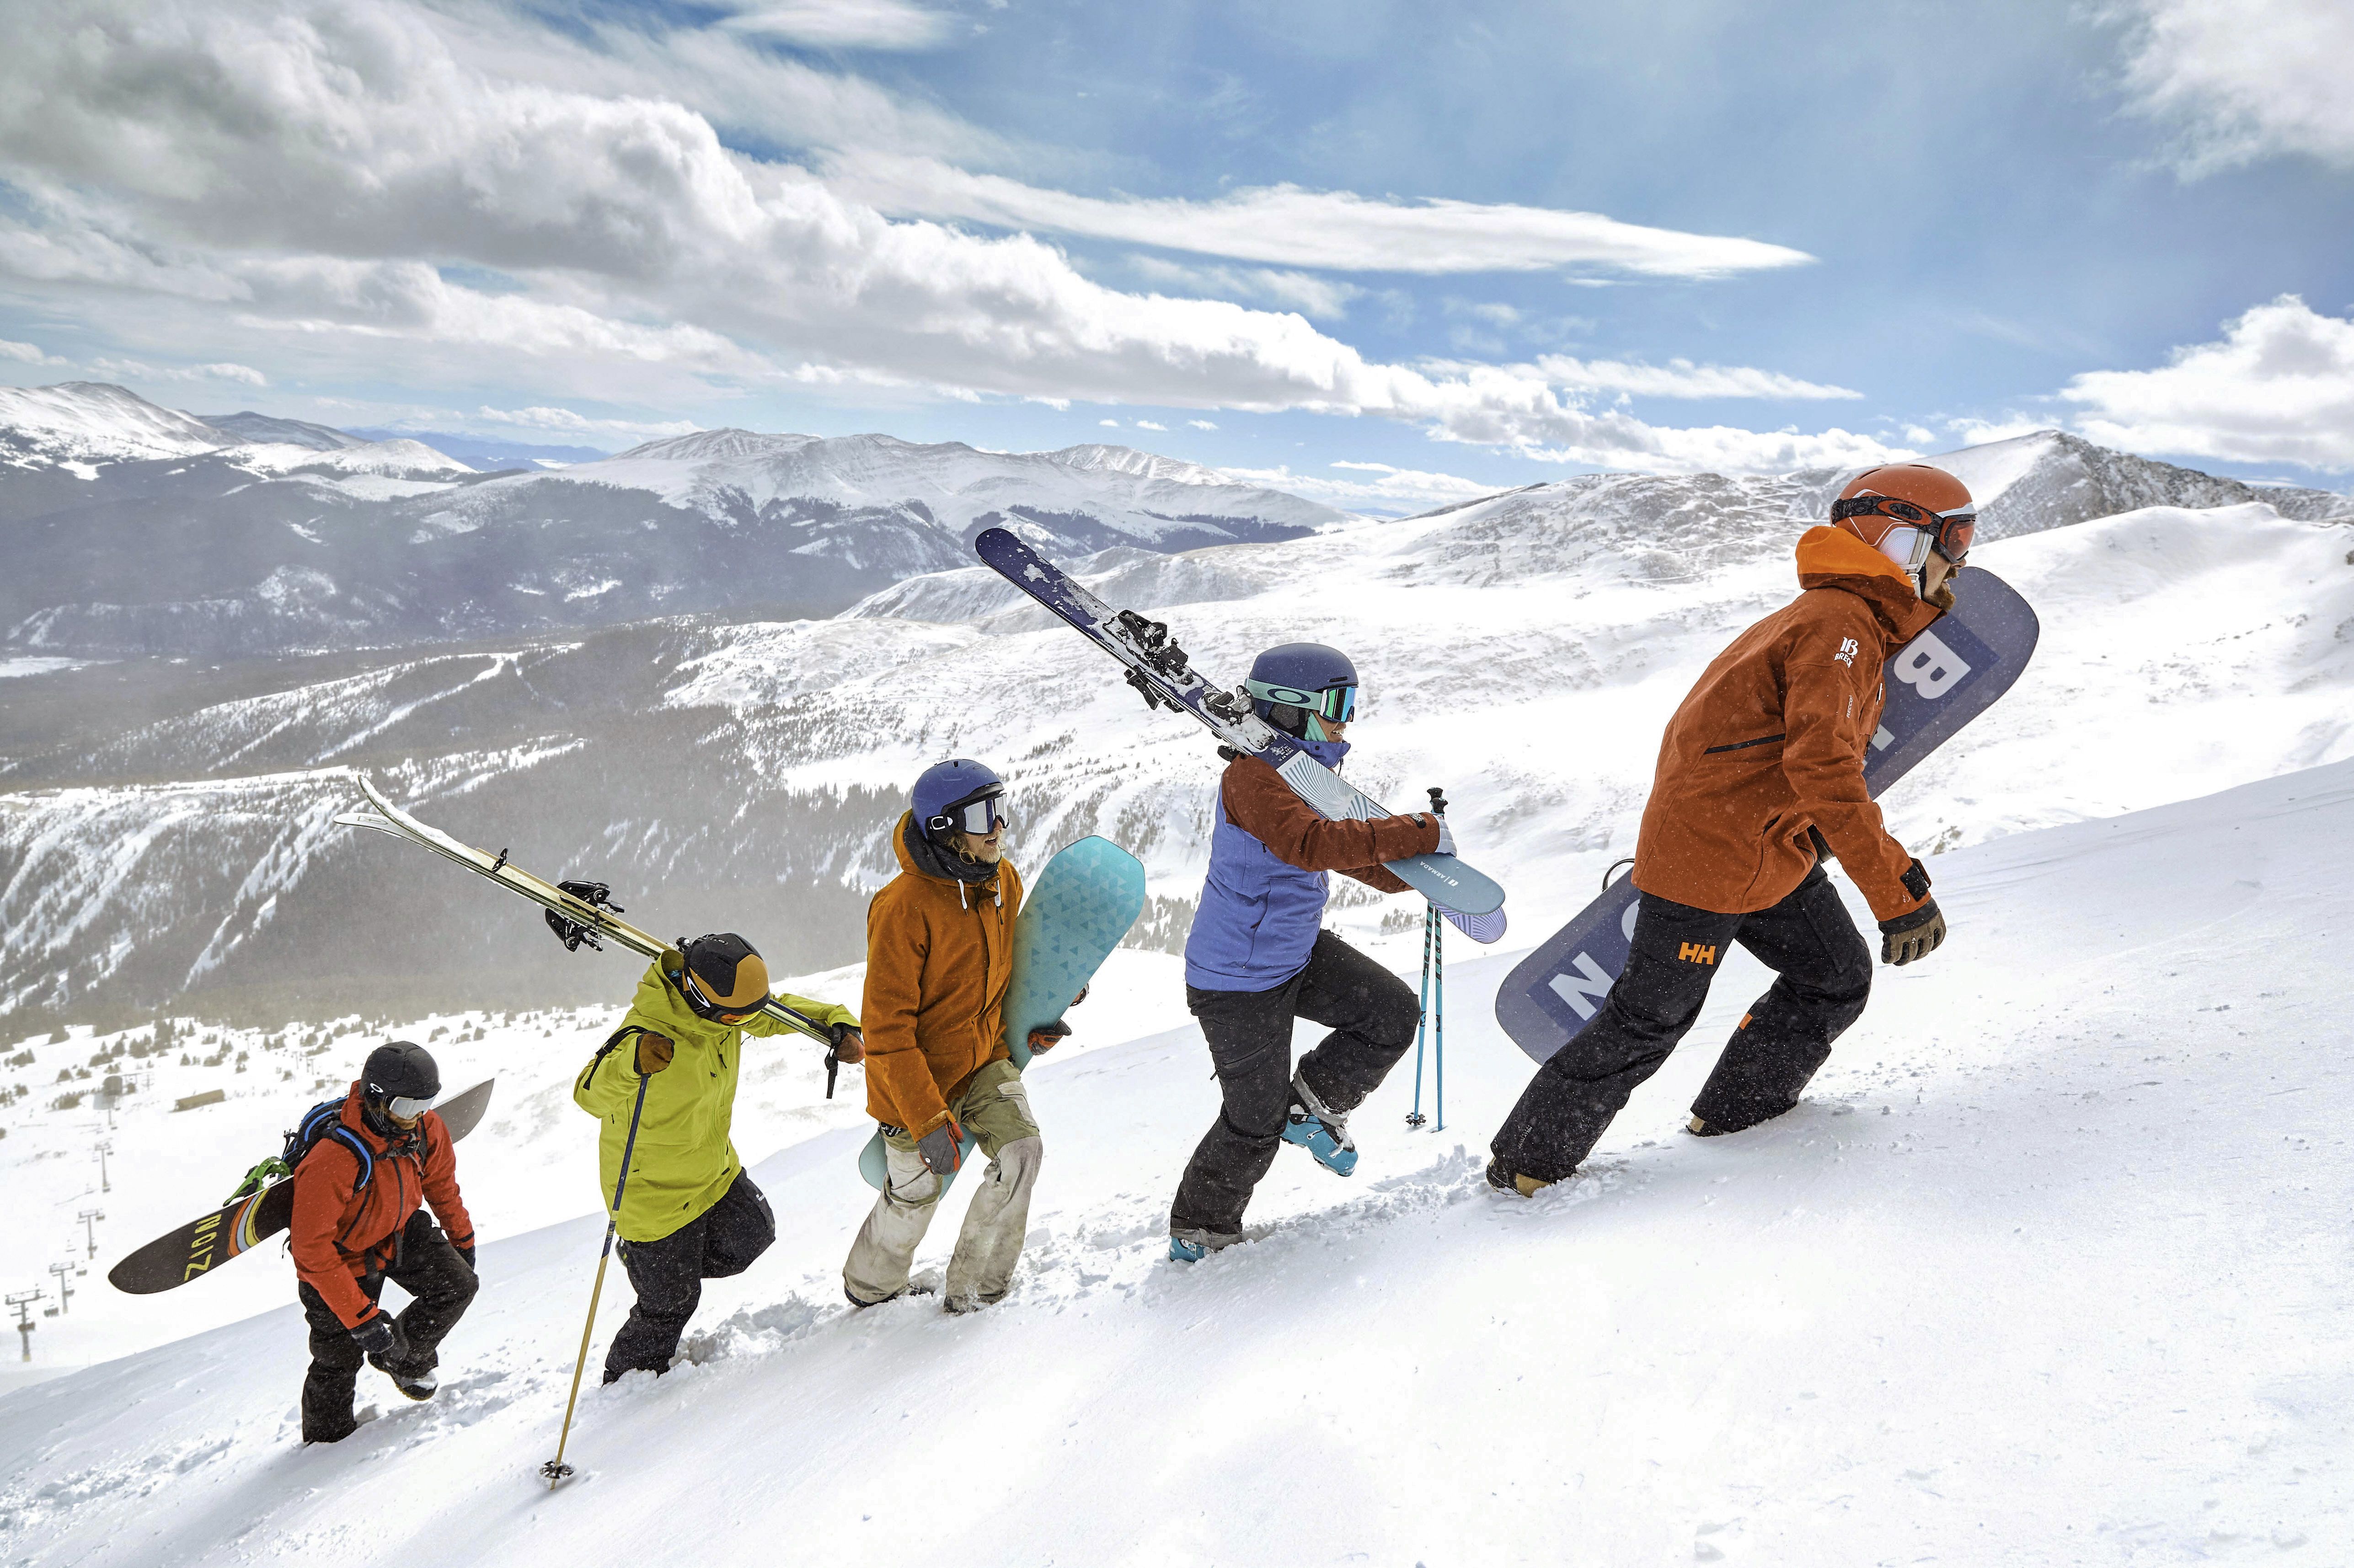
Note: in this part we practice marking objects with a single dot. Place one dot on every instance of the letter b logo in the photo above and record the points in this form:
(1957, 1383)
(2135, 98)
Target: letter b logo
(1928, 666)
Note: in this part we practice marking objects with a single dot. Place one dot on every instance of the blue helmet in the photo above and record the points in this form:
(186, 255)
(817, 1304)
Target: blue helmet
(1295, 685)
(958, 796)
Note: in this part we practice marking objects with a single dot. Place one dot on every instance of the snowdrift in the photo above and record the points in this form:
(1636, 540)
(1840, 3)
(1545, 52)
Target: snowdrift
(2049, 1267)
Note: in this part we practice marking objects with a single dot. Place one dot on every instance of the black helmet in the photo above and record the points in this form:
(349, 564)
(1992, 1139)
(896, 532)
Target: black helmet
(399, 1071)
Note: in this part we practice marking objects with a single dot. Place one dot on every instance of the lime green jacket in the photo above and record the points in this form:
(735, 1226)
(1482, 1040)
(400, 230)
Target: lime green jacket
(684, 1161)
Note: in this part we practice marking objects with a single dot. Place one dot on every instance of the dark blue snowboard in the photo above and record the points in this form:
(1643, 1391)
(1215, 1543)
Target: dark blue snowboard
(1937, 684)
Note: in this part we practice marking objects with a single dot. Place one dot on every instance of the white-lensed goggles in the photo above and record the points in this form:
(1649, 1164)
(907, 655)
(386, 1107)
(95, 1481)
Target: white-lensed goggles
(403, 1107)
(978, 816)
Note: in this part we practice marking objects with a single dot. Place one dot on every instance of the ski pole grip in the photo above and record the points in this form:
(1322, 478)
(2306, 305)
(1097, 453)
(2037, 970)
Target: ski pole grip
(1437, 800)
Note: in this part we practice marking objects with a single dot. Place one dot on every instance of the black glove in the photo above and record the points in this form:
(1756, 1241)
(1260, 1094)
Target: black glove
(1046, 1036)
(942, 1149)
(1910, 937)
(571, 933)
(373, 1337)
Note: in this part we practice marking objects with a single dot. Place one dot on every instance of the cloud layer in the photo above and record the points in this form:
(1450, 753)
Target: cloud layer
(2245, 79)
(2278, 388)
(381, 180)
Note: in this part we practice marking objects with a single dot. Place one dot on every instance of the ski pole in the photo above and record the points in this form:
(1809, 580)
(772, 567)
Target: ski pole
(555, 1470)
(1422, 1023)
(1438, 1020)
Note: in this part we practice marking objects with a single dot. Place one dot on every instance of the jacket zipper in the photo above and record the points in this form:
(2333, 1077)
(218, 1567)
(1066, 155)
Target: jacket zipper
(1744, 745)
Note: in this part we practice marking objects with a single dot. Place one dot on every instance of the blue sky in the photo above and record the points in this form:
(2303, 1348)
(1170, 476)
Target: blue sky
(1818, 233)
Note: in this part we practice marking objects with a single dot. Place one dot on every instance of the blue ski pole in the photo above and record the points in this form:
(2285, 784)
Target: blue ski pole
(1422, 1020)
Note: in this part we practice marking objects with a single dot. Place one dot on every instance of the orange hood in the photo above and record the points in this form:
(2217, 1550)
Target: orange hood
(1833, 558)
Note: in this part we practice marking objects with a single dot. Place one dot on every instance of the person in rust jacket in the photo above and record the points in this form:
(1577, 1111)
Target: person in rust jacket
(940, 956)
(1760, 781)
(1257, 957)
(357, 1222)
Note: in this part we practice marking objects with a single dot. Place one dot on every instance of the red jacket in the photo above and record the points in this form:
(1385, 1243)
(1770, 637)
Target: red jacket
(1772, 741)
(340, 1235)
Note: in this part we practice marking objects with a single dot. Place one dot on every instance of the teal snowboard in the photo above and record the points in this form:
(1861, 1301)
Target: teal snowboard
(1074, 915)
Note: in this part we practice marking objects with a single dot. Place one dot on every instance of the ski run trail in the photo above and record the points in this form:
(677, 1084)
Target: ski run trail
(2051, 1267)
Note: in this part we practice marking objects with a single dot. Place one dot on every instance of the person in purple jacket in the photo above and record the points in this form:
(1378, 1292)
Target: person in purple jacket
(1257, 957)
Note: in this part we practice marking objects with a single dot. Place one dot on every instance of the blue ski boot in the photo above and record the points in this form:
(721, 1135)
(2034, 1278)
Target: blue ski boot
(1321, 1131)
(1194, 1246)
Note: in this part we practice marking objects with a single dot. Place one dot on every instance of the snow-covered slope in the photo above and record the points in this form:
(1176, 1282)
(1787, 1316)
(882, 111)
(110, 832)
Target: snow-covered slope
(2047, 1269)
(268, 536)
(76, 425)
(2051, 479)
(1523, 651)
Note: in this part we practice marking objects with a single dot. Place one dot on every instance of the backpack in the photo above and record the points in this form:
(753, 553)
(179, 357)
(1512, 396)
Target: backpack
(321, 1121)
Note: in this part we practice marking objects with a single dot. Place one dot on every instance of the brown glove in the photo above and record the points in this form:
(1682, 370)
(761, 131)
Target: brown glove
(1046, 1036)
(848, 1044)
(654, 1052)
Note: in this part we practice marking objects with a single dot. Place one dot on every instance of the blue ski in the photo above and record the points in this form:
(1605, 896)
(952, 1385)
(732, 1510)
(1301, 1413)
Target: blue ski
(1158, 669)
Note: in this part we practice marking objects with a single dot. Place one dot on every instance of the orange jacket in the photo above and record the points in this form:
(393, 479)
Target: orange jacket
(939, 955)
(1771, 743)
(340, 1235)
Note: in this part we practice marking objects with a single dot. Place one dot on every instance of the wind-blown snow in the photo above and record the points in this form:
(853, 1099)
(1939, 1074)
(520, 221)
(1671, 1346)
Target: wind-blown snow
(2046, 1268)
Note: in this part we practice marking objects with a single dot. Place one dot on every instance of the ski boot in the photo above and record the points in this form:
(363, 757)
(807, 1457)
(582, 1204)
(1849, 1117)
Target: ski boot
(416, 1383)
(1321, 1131)
(1191, 1245)
(1700, 1128)
(1504, 1180)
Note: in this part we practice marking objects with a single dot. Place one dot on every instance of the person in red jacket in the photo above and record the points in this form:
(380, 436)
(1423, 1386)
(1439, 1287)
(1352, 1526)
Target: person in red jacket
(357, 1222)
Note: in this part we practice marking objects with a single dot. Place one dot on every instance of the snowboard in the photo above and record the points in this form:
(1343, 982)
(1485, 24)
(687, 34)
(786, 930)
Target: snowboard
(1158, 669)
(1935, 684)
(239, 1225)
(1072, 918)
(388, 818)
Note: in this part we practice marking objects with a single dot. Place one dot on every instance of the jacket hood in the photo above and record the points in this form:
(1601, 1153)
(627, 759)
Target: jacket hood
(919, 856)
(1835, 558)
(659, 1007)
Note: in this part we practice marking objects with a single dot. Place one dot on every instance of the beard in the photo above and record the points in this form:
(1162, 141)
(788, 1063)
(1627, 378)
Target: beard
(1944, 598)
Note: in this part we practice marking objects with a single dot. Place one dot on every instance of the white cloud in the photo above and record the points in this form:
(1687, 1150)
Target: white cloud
(317, 166)
(1972, 432)
(1683, 379)
(1396, 489)
(844, 23)
(1109, 424)
(1334, 230)
(2279, 387)
(1202, 424)
(26, 352)
(2241, 80)
(1319, 299)
(1148, 425)
(134, 370)
(550, 418)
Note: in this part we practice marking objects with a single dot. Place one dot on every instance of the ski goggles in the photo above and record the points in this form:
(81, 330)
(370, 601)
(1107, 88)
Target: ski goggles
(1334, 705)
(980, 816)
(1949, 533)
(405, 1107)
(702, 1004)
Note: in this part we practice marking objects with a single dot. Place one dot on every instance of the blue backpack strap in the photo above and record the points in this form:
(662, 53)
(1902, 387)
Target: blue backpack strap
(325, 1120)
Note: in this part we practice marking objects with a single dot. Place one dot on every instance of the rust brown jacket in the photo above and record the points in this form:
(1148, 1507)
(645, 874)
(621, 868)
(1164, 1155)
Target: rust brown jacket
(1258, 802)
(939, 954)
(1773, 739)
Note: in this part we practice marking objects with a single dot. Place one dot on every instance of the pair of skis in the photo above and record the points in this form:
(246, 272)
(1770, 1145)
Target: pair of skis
(1159, 671)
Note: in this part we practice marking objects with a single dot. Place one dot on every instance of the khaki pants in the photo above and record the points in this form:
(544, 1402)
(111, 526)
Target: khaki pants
(996, 1107)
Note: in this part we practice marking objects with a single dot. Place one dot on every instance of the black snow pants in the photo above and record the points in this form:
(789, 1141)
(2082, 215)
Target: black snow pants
(668, 1275)
(427, 1266)
(1822, 977)
(1372, 1015)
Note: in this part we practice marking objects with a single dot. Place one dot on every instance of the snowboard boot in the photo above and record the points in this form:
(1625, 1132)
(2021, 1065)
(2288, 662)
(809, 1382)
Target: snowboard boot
(416, 1382)
(1319, 1129)
(1504, 1180)
(1191, 1245)
(1700, 1128)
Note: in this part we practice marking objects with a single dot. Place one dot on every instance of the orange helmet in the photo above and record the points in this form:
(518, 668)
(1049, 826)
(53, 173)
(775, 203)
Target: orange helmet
(1905, 509)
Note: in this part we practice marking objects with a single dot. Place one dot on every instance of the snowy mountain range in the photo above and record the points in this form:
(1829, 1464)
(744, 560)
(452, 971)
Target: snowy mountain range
(1522, 650)
(257, 536)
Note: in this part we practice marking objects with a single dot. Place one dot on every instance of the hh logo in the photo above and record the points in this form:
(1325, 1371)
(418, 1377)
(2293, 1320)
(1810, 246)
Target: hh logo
(1848, 649)
(1694, 953)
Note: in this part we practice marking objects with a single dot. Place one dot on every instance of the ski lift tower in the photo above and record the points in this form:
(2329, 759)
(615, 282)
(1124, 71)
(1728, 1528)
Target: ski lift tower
(21, 1301)
(65, 1291)
(105, 1148)
(89, 1218)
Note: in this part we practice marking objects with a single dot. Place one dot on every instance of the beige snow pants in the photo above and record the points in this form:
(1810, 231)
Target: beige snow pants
(996, 1107)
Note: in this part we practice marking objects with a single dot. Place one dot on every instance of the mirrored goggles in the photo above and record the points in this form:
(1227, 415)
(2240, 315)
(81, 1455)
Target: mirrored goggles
(1337, 704)
(978, 816)
(403, 1107)
(1950, 533)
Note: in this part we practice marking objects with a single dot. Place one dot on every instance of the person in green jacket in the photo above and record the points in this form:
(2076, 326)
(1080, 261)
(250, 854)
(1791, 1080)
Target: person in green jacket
(688, 1211)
